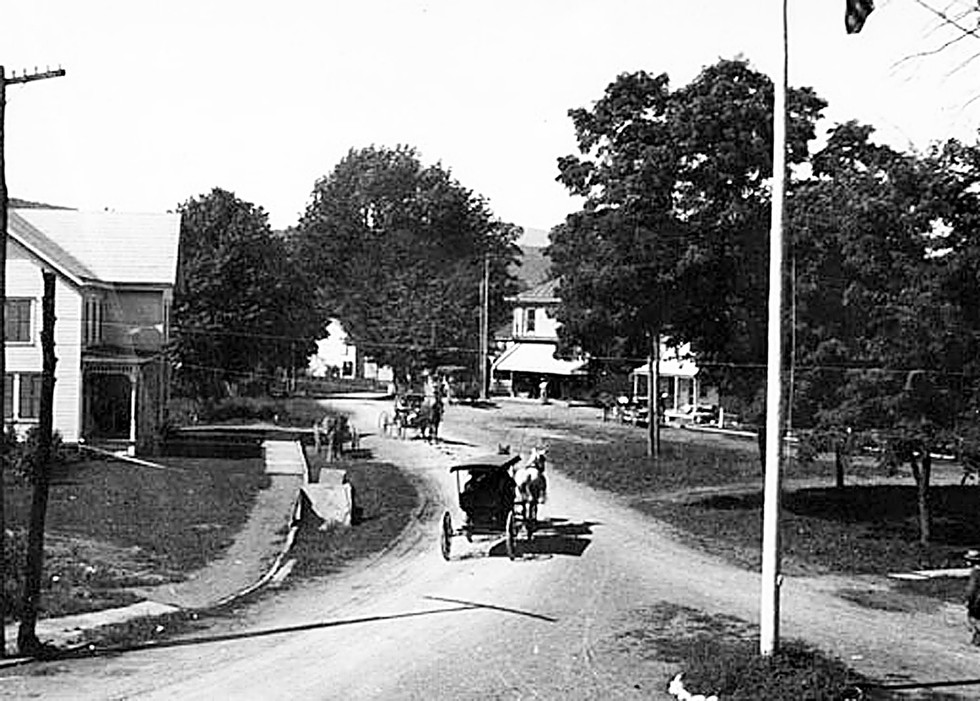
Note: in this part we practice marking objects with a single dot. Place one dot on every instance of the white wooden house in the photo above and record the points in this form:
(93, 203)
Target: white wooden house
(681, 387)
(115, 276)
(335, 355)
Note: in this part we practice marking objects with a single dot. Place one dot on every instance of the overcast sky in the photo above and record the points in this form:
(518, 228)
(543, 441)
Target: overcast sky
(163, 101)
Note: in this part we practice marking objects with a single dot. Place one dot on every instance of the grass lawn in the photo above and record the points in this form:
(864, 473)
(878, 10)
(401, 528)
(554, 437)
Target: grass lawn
(711, 492)
(111, 525)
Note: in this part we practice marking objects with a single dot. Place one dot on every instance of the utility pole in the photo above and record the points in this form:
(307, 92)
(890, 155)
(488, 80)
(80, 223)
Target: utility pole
(27, 641)
(484, 326)
(771, 576)
(4, 81)
(653, 398)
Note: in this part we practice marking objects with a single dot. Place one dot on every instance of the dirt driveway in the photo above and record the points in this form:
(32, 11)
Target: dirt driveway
(565, 621)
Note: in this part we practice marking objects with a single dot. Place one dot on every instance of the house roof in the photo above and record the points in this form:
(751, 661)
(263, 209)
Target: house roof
(101, 246)
(674, 362)
(539, 294)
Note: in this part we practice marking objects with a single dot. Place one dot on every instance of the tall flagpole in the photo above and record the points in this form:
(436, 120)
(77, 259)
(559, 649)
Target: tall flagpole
(771, 577)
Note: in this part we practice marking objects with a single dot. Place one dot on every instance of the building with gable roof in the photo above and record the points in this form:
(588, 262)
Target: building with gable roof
(528, 360)
(115, 276)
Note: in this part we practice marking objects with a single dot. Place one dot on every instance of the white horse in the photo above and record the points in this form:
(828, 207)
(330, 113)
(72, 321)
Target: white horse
(530, 480)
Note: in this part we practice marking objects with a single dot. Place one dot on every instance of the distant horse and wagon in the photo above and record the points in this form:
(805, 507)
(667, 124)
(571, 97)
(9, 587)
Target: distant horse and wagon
(331, 433)
(413, 411)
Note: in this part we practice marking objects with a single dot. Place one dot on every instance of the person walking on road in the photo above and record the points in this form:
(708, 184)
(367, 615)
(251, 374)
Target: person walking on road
(972, 558)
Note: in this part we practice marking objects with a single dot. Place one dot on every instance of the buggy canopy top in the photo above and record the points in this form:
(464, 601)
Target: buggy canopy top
(487, 463)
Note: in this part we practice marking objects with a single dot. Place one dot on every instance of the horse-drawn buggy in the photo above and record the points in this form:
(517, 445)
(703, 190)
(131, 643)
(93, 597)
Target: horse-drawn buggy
(412, 411)
(499, 495)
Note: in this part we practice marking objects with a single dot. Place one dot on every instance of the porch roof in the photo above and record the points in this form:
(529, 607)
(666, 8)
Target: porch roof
(537, 358)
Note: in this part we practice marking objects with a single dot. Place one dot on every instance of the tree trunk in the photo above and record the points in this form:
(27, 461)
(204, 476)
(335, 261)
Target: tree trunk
(27, 642)
(922, 476)
(840, 463)
(760, 438)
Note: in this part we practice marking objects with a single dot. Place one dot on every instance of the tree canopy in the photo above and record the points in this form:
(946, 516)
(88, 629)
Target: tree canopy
(674, 232)
(884, 285)
(240, 311)
(396, 251)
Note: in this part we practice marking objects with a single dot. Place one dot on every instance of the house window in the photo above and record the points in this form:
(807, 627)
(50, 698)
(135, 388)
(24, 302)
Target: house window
(530, 320)
(18, 320)
(93, 320)
(22, 396)
(347, 369)
(8, 396)
(30, 396)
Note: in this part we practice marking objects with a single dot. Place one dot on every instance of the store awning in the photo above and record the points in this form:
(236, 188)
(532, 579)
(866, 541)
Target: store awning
(538, 358)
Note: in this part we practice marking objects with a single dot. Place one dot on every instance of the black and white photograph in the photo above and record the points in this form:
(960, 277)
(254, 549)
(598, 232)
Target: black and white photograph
(483, 350)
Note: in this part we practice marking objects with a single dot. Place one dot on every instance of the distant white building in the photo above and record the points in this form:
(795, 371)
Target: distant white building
(679, 380)
(337, 357)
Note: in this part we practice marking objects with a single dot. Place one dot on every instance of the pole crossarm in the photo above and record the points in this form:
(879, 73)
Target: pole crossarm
(30, 77)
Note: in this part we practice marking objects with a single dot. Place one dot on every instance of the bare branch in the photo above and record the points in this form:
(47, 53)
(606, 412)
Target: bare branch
(964, 64)
(953, 22)
(931, 52)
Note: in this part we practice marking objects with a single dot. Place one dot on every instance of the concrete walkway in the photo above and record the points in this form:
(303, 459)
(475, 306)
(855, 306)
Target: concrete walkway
(248, 563)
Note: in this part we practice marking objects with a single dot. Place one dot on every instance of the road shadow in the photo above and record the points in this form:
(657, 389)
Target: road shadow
(359, 454)
(553, 537)
(441, 441)
(456, 606)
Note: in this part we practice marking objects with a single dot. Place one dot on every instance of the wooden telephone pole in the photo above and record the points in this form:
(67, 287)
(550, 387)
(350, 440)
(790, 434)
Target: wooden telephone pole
(484, 327)
(14, 79)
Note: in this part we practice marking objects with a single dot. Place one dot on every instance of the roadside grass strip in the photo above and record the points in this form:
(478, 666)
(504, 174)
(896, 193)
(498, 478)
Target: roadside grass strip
(720, 654)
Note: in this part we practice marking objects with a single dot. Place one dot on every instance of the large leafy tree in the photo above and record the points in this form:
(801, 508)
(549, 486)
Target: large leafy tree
(396, 250)
(240, 309)
(673, 235)
(882, 244)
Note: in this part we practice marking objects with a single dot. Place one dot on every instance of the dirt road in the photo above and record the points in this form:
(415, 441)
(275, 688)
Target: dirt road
(558, 623)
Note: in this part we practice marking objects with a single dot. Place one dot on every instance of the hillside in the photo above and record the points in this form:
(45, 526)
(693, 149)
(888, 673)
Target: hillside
(15, 203)
(535, 267)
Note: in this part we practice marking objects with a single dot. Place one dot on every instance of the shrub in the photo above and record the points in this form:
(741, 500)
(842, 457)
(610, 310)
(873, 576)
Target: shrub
(23, 456)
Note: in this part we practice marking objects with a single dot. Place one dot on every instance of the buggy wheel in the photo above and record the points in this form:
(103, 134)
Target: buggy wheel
(446, 536)
(511, 534)
(384, 423)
